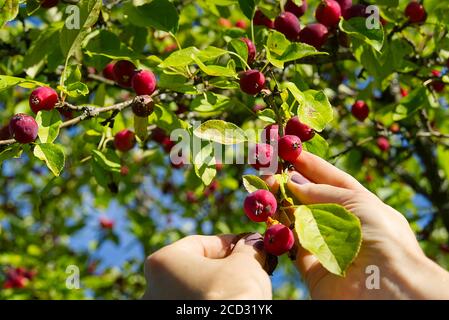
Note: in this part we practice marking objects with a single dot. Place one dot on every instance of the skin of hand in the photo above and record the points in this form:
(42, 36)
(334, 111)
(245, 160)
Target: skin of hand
(209, 267)
(388, 241)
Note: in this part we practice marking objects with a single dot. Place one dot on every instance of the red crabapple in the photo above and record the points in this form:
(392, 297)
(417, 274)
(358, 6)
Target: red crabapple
(270, 133)
(357, 10)
(260, 205)
(252, 82)
(144, 82)
(124, 140)
(251, 49)
(292, 7)
(288, 24)
(258, 107)
(404, 92)
(108, 71)
(106, 223)
(191, 197)
(415, 12)
(262, 20)
(290, 148)
(23, 128)
(43, 98)
(260, 155)
(4, 132)
(241, 24)
(383, 144)
(158, 135)
(299, 129)
(360, 110)
(345, 5)
(328, 13)
(124, 72)
(314, 34)
(224, 23)
(278, 239)
(124, 170)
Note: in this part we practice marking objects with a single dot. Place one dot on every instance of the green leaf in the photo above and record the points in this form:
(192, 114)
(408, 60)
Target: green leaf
(184, 57)
(281, 50)
(12, 151)
(109, 161)
(331, 233)
(216, 71)
(7, 82)
(221, 132)
(49, 123)
(267, 115)
(106, 43)
(317, 145)
(240, 48)
(314, 108)
(159, 14)
(40, 49)
(248, 7)
(141, 127)
(73, 34)
(356, 28)
(53, 156)
(204, 164)
(409, 105)
(253, 183)
(166, 119)
(8, 11)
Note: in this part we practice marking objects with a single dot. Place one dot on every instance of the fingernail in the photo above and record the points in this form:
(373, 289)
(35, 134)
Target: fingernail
(255, 240)
(299, 179)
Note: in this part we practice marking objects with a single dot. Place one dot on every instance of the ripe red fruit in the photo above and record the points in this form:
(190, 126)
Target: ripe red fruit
(383, 143)
(144, 82)
(278, 239)
(124, 140)
(345, 5)
(159, 135)
(360, 110)
(262, 20)
(181, 108)
(314, 34)
(404, 92)
(124, 171)
(297, 128)
(328, 13)
(124, 72)
(191, 197)
(260, 205)
(23, 128)
(415, 12)
(252, 82)
(106, 223)
(270, 133)
(298, 11)
(251, 49)
(49, 3)
(260, 155)
(108, 71)
(171, 47)
(224, 22)
(210, 189)
(167, 144)
(437, 85)
(288, 24)
(357, 10)
(290, 148)
(43, 98)
(241, 24)
(395, 128)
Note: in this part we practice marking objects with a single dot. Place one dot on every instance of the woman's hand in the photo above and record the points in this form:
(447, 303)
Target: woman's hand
(209, 267)
(388, 242)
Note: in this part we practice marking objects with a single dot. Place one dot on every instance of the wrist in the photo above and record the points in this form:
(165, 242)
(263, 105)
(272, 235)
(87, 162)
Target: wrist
(421, 278)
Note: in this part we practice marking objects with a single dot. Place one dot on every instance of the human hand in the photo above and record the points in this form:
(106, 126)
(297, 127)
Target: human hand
(388, 242)
(209, 267)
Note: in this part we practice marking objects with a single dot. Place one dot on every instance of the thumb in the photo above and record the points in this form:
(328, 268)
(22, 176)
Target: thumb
(311, 193)
(250, 247)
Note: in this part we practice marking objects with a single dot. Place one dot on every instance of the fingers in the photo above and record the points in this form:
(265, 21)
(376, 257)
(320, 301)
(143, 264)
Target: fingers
(252, 247)
(320, 171)
(213, 247)
(311, 193)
